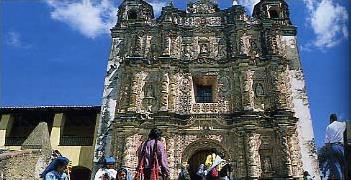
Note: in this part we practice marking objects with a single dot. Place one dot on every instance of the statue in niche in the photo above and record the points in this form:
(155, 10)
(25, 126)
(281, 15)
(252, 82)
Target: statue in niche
(254, 49)
(187, 52)
(204, 49)
(149, 90)
(167, 46)
(221, 48)
(259, 90)
(137, 45)
(244, 44)
(153, 51)
(267, 164)
(149, 99)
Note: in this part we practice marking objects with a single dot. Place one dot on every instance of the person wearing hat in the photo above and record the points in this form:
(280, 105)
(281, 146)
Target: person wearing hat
(56, 170)
(107, 171)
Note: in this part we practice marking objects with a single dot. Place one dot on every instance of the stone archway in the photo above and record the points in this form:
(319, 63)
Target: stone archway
(196, 153)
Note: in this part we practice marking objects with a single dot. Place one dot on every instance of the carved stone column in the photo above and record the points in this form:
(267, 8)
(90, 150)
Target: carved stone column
(248, 95)
(240, 156)
(172, 92)
(253, 142)
(170, 144)
(164, 92)
(185, 94)
(134, 93)
(283, 134)
(137, 45)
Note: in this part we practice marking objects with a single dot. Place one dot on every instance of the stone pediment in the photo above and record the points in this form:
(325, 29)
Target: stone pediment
(203, 7)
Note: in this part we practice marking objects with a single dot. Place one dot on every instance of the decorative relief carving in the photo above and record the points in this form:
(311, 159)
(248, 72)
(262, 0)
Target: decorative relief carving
(176, 47)
(202, 7)
(130, 155)
(203, 108)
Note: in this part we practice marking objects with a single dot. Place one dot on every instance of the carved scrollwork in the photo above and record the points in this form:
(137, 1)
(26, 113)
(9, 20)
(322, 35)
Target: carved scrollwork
(164, 92)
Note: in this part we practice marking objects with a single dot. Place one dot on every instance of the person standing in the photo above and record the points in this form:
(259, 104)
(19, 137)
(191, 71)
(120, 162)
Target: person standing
(56, 170)
(152, 158)
(334, 143)
(107, 170)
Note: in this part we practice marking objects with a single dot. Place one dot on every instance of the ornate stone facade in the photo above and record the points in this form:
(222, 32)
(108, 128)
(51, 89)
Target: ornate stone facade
(248, 67)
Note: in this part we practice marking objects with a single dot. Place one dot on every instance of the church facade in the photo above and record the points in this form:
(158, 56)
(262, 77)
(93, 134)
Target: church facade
(213, 80)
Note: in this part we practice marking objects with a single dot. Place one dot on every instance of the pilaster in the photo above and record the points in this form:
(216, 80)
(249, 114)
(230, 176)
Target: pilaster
(283, 134)
(253, 142)
(5, 128)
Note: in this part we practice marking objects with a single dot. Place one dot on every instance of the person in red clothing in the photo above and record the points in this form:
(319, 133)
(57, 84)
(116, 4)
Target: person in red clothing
(152, 157)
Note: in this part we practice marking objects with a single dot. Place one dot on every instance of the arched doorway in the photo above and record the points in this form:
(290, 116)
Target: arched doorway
(197, 152)
(80, 173)
(196, 160)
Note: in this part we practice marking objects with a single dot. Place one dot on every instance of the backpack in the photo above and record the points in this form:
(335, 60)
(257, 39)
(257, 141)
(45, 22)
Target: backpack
(214, 172)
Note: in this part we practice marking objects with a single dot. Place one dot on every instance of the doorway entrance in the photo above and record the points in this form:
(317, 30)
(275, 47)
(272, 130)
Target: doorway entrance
(198, 158)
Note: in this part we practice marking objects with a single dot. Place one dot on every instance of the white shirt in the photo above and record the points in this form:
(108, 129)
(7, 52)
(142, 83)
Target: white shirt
(335, 132)
(101, 172)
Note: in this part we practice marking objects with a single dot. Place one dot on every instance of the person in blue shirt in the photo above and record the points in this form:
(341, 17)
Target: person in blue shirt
(56, 170)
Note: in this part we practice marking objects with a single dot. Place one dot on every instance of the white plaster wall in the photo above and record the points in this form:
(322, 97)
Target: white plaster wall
(305, 128)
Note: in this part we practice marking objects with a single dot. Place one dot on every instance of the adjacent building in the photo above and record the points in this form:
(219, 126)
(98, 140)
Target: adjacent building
(71, 129)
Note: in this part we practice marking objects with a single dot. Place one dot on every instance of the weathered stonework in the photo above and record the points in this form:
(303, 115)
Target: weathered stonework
(258, 115)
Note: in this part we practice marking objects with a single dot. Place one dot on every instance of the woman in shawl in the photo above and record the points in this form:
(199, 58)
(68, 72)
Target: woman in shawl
(123, 174)
(56, 169)
(153, 158)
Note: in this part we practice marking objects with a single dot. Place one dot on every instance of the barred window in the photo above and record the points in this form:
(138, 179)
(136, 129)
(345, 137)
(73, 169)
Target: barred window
(204, 94)
(205, 89)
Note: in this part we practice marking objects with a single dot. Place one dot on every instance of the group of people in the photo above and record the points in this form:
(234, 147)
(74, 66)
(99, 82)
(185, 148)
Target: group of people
(215, 167)
(107, 171)
(153, 161)
(152, 164)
